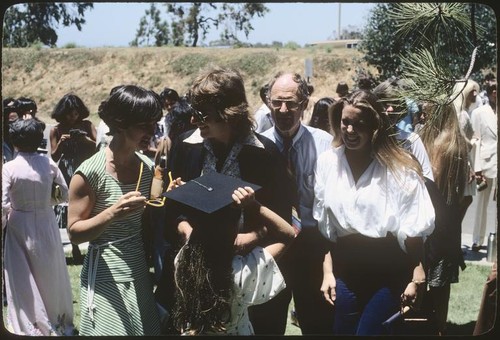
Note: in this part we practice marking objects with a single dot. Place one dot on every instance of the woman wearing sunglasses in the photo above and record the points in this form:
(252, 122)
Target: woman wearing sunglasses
(224, 141)
(107, 197)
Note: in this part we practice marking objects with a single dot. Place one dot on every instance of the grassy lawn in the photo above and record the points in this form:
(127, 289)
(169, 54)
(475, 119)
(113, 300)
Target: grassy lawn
(463, 308)
(464, 302)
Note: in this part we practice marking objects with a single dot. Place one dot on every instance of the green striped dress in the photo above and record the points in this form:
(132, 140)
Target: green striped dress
(116, 289)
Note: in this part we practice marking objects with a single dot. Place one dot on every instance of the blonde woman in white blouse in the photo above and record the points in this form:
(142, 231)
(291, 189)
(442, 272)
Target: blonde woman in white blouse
(372, 204)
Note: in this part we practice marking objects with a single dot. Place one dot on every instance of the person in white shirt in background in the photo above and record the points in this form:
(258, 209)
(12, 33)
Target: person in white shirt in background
(484, 124)
(488, 79)
(262, 116)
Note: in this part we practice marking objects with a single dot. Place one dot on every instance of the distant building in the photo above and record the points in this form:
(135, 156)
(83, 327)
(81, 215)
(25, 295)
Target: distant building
(347, 43)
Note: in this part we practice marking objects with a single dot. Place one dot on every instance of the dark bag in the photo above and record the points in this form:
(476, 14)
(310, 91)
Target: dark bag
(67, 167)
(445, 240)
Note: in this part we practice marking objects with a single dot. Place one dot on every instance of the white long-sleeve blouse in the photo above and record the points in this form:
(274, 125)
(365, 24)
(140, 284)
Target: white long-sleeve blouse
(378, 204)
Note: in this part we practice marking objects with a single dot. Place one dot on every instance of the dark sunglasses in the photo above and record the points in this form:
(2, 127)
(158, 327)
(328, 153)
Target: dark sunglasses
(198, 115)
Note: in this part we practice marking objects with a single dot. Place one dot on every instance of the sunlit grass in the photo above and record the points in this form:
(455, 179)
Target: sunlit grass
(465, 297)
(463, 307)
(74, 275)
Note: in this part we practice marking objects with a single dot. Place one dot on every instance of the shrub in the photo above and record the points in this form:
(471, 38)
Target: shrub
(258, 63)
(70, 45)
(188, 64)
(329, 64)
(292, 45)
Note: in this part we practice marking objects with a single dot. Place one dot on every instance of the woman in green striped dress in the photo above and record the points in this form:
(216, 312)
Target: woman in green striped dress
(108, 194)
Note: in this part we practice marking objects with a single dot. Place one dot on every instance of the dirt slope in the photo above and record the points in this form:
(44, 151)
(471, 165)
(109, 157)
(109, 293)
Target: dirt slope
(45, 75)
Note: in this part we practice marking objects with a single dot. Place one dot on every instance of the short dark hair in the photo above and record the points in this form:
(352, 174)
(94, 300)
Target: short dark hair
(263, 93)
(490, 88)
(180, 119)
(342, 88)
(170, 94)
(27, 134)
(130, 105)
(9, 108)
(24, 104)
(489, 77)
(68, 103)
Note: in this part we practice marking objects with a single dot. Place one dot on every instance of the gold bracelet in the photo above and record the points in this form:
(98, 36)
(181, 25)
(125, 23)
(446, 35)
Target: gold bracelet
(418, 282)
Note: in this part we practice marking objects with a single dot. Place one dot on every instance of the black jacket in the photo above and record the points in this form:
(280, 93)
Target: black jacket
(265, 167)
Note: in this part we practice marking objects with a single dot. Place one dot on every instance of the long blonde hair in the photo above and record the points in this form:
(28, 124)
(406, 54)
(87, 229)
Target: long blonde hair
(447, 150)
(384, 145)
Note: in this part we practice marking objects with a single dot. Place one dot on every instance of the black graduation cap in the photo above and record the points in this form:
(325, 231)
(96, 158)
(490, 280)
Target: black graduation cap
(209, 192)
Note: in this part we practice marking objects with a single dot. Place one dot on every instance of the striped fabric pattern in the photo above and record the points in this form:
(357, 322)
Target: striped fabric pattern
(124, 300)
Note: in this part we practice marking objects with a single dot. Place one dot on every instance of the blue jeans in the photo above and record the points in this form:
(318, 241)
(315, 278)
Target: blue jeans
(362, 313)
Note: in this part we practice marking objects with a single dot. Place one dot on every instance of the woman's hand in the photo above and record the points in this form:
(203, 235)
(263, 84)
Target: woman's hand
(412, 295)
(472, 175)
(128, 203)
(64, 137)
(329, 284)
(244, 197)
(175, 184)
(328, 288)
(184, 230)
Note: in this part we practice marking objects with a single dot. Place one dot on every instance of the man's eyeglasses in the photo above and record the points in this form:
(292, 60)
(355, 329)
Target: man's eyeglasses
(290, 104)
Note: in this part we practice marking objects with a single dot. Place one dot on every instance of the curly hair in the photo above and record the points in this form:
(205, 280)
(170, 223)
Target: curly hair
(129, 105)
(225, 90)
(203, 275)
(384, 145)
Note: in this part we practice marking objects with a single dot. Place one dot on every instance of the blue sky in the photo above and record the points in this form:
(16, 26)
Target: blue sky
(115, 24)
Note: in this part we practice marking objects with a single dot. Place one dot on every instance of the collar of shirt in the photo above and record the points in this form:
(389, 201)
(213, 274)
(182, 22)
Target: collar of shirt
(279, 139)
(250, 140)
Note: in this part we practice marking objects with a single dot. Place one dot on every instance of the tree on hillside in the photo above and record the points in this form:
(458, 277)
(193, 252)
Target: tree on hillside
(25, 24)
(236, 18)
(191, 22)
(152, 30)
(385, 41)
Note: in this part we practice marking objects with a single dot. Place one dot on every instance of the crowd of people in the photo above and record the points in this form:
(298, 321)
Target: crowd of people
(350, 206)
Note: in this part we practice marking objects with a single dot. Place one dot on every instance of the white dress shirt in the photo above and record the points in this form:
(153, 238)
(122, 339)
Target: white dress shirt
(379, 203)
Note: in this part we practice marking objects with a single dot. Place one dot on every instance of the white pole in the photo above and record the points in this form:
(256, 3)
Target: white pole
(340, 35)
